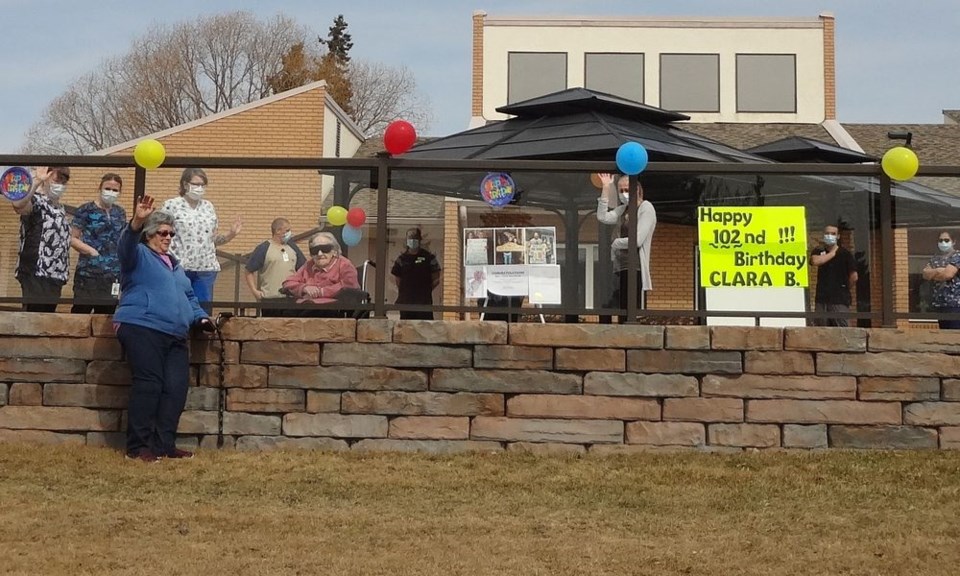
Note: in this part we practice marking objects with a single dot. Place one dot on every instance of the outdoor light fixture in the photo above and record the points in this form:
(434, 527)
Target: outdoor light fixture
(907, 136)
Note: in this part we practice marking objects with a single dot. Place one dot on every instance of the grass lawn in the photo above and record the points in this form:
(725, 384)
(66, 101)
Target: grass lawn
(87, 511)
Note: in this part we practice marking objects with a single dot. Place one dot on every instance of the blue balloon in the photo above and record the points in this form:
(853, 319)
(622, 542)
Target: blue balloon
(351, 236)
(632, 158)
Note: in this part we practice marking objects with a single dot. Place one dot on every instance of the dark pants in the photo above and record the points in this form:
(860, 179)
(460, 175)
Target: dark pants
(835, 322)
(949, 324)
(497, 301)
(619, 297)
(160, 366)
(92, 296)
(408, 315)
(40, 294)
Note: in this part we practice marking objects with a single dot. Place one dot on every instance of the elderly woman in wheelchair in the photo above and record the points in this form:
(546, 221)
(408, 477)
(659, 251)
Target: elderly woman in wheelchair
(328, 277)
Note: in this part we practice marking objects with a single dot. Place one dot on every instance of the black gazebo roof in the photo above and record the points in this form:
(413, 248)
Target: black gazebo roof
(580, 124)
(800, 149)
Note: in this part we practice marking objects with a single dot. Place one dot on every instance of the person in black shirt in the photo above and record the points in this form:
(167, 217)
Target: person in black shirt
(416, 272)
(44, 259)
(836, 273)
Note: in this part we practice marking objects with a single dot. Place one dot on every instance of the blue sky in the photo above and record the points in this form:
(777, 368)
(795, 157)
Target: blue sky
(893, 57)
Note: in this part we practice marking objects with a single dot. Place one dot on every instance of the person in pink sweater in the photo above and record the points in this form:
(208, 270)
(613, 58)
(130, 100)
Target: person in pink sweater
(324, 275)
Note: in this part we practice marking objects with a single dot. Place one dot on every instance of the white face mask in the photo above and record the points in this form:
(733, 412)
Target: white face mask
(57, 190)
(109, 196)
(945, 246)
(196, 192)
(624, 198)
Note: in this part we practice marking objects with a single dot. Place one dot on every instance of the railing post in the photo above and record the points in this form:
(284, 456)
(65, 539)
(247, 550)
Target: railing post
(383, 175)
(886, 252)
(236, 285)
(139, 186)
(633, 256)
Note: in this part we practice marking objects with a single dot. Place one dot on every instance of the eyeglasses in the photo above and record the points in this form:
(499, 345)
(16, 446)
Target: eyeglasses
(166, 233)
(325, 248)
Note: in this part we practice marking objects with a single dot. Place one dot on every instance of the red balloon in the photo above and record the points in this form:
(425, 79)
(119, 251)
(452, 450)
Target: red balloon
(399, 137)
(356, 217)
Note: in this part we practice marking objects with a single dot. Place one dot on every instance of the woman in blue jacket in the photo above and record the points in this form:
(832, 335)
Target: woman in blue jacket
(157, 308)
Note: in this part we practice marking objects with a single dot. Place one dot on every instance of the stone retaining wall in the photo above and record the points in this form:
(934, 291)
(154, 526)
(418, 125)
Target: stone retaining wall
(452, 386)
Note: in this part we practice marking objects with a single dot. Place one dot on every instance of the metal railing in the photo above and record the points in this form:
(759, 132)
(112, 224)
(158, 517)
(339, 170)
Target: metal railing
(381, 168)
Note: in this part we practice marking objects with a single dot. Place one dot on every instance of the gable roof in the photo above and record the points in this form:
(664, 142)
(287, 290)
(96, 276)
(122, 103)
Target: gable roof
(328, 101)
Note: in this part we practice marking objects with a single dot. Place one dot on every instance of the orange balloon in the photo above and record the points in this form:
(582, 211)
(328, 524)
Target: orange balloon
(595, 180)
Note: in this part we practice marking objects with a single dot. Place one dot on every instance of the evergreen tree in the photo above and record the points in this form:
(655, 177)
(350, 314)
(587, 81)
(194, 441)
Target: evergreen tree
(338, 41)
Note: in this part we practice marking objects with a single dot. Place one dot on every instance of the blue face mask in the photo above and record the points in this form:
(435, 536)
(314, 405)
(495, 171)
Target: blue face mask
(945, 246)
(287, 236)
(829, 239)
(413, 243)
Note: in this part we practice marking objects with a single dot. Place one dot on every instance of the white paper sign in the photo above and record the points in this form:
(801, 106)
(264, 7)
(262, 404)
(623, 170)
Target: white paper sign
(544, 284)
(508, 280)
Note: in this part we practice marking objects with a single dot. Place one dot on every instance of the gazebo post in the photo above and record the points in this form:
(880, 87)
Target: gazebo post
(570, 283)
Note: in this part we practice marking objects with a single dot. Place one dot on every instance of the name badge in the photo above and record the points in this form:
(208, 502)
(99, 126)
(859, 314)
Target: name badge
(286, 257)
(115, 289)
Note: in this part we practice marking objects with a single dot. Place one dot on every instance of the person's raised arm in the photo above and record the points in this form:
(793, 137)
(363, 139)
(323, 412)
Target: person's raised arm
(608, 196)
(130, 236)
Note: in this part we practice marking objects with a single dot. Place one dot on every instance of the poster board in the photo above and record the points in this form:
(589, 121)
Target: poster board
(753, 258)
(512, 261)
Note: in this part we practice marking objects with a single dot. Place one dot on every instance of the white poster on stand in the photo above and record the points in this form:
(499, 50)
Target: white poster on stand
(544, 284)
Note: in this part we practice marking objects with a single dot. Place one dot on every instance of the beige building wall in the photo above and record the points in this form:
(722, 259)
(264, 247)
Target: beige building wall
(727, 37)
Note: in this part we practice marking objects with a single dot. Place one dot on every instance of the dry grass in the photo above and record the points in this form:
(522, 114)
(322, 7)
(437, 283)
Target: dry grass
(87, 511)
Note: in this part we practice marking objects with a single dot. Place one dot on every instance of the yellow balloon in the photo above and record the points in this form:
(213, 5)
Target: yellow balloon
(900, 163)
(337, 215)
(149, 154)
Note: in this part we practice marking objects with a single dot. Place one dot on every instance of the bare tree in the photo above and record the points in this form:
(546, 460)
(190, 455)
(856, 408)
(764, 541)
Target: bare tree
(382, 94)
(169, 76)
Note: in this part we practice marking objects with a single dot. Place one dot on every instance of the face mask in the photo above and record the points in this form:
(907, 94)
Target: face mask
(109, 196)
(287, 236)
(195, 192)
(57, 190)
(624, 198)
(413, 243)
(945, 246)
(829, 239)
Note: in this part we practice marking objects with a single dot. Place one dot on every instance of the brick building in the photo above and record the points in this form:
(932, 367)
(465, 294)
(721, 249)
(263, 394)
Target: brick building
(303, 122)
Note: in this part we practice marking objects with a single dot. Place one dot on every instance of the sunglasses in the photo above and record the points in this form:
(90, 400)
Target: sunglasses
(325, 248)
(166, 233)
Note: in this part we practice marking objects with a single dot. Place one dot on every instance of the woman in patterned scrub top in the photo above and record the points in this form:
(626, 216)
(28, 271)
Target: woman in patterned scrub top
(942, 271)
(96, 230)
(195, 244)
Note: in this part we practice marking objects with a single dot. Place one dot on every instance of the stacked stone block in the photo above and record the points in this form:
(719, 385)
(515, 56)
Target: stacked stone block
(434, 386)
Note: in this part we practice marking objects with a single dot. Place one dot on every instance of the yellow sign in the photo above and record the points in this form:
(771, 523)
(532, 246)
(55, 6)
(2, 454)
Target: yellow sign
(750, 246)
